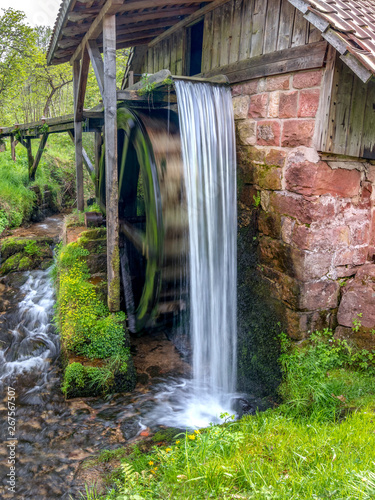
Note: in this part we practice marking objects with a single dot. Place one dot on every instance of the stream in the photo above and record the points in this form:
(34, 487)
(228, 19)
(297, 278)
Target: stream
(53, 436)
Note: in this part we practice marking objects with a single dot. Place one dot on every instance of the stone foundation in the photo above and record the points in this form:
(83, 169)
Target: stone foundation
(316, 229)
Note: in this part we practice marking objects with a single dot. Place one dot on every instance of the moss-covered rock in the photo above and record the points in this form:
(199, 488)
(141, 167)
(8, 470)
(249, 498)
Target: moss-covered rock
(23, 254)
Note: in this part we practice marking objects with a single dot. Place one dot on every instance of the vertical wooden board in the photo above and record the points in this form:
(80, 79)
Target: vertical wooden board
(235, 31)
(331, 129)
(314, 34)
(173, 54)
(272, 26)
(343, 102)
(150, 62)
(286, 25)
(300, 29)
(226, 35)
(257, 35)
(246, 29)
(357, 115)
(180, 52)
(207, 42)
(368, 137)
(167, 55)
(322, 119)
(216, 46)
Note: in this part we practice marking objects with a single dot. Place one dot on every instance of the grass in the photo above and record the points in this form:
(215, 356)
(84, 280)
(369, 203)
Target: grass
(318, 444)
(56, 170)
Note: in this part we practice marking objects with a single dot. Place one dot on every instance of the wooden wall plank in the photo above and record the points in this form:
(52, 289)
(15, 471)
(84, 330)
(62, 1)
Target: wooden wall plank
(314, 35)
(286, 25)
(235, 31)
(368, 137)
(357, 115)
(180, 54)
(259, 17)
(207, 42)
(226, 35)
(173, 54)
(343, 99)
(246, 29)
(216, 41)
(300, 29)
(272, 26)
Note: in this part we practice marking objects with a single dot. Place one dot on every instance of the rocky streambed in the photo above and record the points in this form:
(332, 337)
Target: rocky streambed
(53, 436)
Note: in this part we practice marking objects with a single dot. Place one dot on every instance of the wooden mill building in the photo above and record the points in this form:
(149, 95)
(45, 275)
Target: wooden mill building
(303, 86)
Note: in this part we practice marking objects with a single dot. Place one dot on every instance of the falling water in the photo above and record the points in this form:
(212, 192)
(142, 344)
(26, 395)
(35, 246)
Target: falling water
(208, 148)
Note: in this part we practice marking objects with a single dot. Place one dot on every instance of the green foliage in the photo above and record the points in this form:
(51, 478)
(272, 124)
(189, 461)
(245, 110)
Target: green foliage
(325, 376)
(86, 326)
(267, 456)
(256, 199)
(31, 248)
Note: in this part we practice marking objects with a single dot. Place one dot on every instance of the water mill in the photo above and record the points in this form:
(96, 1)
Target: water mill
(187, 247)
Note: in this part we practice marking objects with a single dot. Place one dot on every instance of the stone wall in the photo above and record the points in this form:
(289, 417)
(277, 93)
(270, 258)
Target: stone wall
(316, 214)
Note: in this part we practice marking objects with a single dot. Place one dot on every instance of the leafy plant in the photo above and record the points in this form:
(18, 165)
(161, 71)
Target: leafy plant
(257, 199)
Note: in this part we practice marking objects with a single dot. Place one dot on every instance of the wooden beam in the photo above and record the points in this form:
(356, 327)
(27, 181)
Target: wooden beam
(110, 124)
(131, 18)
(109, 8)
(149, 4)
(283, 61)
(193, 17)
(78, 138)
(81, 87)
(97, 64)
(38, 156)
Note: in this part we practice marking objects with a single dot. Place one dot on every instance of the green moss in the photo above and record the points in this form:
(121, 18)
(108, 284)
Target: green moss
(114, 289)
(25, 264)
(88, 329)
(93, 234)
(11, 264)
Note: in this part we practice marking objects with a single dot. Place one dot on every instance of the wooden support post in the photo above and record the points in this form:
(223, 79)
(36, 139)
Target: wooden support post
(98, 152)
(110, 124)
(38, 157)
(13, 147)
(131, 78)
(78, 138)
(30, 158)
(97, 64)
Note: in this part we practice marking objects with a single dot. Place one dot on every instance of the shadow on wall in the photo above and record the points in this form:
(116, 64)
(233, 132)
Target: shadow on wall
(259, 316)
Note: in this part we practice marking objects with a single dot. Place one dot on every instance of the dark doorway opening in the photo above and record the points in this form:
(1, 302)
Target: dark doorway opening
(196, 46)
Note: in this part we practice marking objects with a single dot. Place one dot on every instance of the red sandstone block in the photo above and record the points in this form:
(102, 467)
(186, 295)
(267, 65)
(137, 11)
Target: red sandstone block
(305, 80)
(236, 90)
(282, 287)
(309, 179)
(304, 210)
(269, 224)
(319, 295)
(360, 233)
(258, 106)
(288, 104)
(308, 103)
(250, 88)
(351, 256)
(247, 194)
(275, 157)
(268, 177)
(326, 238)
(268, 133)
(275, 254)
(308, 266)
(281, 82)
(298, 133)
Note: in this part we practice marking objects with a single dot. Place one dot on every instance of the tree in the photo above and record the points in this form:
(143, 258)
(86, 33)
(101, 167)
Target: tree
(16, 41)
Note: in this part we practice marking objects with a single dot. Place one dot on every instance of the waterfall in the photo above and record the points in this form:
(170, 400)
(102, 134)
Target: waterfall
(208, 150)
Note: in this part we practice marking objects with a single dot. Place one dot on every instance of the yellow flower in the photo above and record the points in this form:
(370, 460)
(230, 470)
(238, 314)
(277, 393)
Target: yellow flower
(177, 442)
(191, 436)
(168, 449)
(151, 463)
(197, 432)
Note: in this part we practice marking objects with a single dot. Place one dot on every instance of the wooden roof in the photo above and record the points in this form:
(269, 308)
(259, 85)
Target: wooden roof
(348, 25)
(138, 22)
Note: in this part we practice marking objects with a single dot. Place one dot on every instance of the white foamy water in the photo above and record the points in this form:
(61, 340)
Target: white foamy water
(208, 150)
(34, 343)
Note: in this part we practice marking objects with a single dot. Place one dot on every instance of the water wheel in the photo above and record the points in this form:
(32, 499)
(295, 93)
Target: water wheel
(152, 216)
